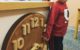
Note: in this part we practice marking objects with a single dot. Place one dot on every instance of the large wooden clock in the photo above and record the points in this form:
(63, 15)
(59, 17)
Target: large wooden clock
(25, 33)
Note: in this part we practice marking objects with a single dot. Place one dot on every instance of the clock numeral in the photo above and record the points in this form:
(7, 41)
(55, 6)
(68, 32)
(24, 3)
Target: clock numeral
(36, 46)
(24, 29)
(32, 22)
(28, 28)
(15, 47)
(18, 44)
(42, 22)
(36, 22)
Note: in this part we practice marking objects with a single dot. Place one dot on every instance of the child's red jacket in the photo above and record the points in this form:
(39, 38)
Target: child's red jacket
(58, 20)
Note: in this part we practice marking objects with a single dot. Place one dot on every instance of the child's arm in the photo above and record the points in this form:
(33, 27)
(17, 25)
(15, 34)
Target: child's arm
(53, 15)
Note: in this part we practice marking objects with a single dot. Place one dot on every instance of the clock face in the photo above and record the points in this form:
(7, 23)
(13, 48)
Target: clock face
(25, 34)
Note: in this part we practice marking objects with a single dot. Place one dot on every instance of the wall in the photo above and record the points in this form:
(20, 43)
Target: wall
(73, 6)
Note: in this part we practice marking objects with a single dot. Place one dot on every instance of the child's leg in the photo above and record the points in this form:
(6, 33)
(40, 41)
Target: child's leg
(58, 43)
(51, 43)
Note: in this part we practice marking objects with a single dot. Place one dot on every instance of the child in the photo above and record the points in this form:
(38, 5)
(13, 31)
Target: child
(57, 25)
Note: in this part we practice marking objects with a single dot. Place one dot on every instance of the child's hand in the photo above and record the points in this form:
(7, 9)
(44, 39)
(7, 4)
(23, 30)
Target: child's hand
(45, 37)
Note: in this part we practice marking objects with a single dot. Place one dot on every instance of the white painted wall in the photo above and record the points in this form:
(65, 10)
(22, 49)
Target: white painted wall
(73, 6)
